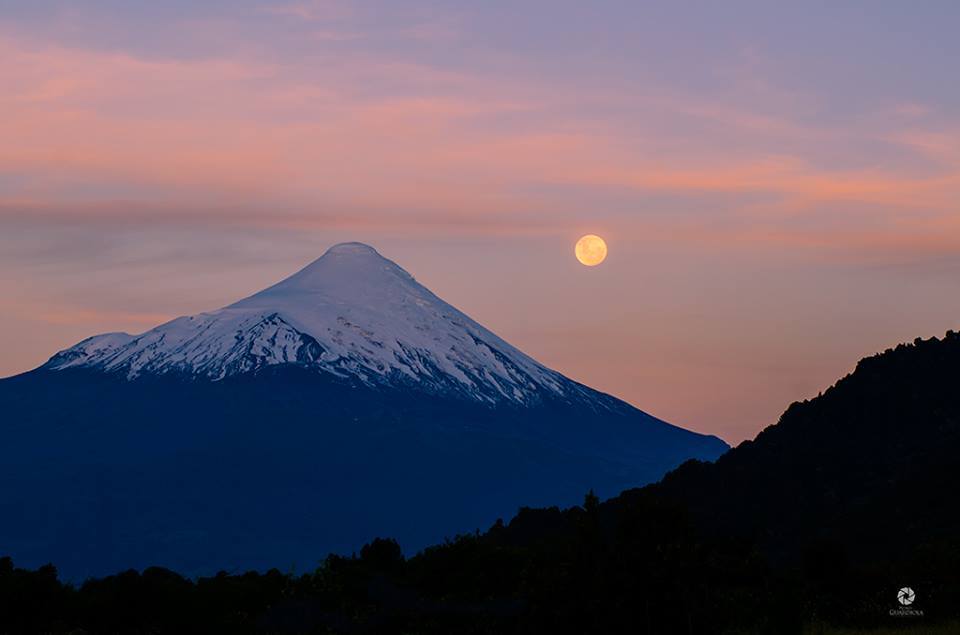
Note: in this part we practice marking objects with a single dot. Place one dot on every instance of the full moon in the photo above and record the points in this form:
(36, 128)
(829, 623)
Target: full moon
(591, 250)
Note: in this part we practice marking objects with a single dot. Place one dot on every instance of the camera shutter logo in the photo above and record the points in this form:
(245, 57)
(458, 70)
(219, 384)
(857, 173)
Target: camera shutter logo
(905, 596)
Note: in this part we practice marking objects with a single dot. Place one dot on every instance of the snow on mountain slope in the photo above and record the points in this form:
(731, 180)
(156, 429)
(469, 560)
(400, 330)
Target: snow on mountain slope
(352, 313)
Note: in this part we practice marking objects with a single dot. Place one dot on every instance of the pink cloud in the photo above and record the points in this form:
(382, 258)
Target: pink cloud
(363, 141)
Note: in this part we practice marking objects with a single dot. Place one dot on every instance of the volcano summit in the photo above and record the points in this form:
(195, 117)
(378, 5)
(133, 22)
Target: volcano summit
(344, 402)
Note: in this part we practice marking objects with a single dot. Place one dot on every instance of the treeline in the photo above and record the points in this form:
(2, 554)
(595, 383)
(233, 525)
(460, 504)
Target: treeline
(637, 568)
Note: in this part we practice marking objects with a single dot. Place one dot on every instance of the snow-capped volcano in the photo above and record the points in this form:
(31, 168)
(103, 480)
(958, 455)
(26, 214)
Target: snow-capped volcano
(352, 313)
(342, 403)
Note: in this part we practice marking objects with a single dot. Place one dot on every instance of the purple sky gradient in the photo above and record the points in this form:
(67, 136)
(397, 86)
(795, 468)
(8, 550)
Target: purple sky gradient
(779, 186)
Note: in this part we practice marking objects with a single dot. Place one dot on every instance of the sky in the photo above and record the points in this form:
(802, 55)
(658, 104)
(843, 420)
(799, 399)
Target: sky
(778, 183)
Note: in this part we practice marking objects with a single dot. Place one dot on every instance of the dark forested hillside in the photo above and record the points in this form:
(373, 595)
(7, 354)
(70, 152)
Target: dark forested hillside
(870, 464)
(815, 524)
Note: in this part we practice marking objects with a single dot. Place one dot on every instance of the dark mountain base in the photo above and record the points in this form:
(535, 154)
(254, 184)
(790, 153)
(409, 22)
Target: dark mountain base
(820, 521)
(281, 467)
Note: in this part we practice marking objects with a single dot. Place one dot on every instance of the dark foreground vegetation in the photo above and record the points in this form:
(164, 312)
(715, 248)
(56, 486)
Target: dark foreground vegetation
(810, 528)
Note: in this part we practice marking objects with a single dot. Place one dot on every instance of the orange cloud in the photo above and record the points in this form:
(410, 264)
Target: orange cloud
(362, 141)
